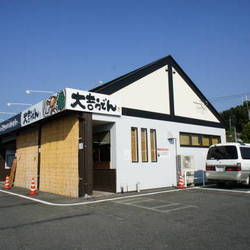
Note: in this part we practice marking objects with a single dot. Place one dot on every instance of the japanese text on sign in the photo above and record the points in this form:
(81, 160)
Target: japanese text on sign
(92, 102)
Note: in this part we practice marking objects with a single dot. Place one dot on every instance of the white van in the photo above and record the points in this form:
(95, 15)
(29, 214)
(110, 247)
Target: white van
(228, 162)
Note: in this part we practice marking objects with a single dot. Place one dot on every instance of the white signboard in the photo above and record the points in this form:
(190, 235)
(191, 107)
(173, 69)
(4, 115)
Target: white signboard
(92, 102)
(32, 114)
(71, 99)
(43, 109)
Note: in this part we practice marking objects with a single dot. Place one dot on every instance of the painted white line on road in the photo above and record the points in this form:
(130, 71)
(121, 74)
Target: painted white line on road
(26, 197)
(224, 190)
(167, 205)
(89, 202)
(175, 209)
(128, 201)
(136, 201)
(177, 206)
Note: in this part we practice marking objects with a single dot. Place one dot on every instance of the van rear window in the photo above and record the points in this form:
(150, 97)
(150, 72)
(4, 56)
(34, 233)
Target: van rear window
(222, 152)
(245, 153)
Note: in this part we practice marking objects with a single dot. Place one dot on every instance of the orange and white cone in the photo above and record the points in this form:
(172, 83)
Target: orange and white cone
(181, 182)
(33, 188)
(7, 183)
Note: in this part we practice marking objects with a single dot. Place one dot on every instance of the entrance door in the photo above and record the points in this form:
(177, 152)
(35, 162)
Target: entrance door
(104, 172)
(101, 150)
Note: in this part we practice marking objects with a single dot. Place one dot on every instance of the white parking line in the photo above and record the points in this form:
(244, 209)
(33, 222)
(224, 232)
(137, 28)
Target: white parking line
(134, 201)
(166, 205)
(117, 198)
(88, 202)
(225, 190)
(177, 206)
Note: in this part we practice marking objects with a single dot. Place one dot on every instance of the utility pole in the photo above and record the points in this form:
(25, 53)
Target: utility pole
(248, 110)
(231, 132)
(235, 134)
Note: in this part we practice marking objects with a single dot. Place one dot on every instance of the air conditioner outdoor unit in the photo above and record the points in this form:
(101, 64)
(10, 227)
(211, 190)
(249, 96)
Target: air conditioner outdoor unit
(185, 166)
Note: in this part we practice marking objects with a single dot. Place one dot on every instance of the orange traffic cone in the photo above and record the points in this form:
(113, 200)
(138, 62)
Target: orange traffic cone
(181, 182)
(7, 183)
(33, 188)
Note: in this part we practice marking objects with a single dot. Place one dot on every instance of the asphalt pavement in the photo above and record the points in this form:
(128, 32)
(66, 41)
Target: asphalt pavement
(189, 219)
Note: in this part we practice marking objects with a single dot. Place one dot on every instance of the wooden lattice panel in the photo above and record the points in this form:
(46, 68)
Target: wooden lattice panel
(27, 157)
(59, 156)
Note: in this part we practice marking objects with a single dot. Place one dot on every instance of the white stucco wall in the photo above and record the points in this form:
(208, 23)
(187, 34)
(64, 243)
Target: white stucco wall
(149, 93)
(187, 103)
(161, 173)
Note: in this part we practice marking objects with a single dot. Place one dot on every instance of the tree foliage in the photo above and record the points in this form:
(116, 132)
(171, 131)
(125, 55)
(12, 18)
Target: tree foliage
(245, 135)
(236, 117)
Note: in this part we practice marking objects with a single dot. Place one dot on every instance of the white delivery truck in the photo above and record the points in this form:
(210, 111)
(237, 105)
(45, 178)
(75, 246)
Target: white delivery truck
(228, 162)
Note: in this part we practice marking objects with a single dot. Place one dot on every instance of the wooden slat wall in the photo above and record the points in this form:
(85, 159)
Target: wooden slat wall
(59, 156)
(27, 158)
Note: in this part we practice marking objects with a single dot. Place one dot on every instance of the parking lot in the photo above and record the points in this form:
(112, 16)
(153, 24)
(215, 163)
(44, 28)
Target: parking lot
(156, 205)
(209, 218)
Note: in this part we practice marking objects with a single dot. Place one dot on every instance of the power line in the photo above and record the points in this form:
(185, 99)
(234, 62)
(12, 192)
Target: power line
(225, 98)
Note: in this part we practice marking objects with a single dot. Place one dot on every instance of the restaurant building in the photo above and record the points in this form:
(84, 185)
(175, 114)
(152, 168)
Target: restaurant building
(124, 135)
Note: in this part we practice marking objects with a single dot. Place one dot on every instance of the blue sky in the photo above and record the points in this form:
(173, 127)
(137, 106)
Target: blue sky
(53, 44)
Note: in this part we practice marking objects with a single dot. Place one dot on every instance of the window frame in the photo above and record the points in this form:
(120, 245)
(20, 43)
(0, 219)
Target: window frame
(243, 154)
(136, 146)
(153, 131)
(233, 155)
(146, 144)
(209, 140)
(200, 139)
(10, 155)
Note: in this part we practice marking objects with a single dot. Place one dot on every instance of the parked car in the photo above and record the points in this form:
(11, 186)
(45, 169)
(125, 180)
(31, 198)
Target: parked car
(228, 162)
